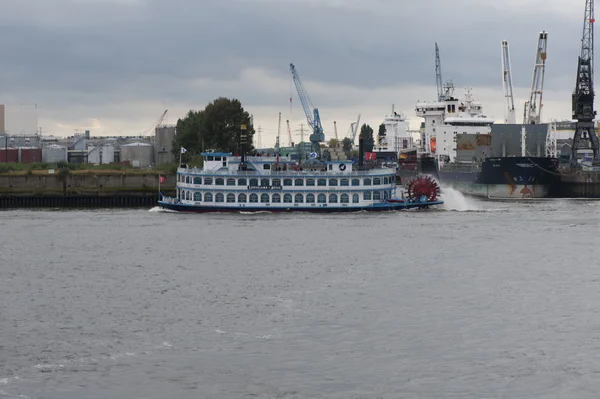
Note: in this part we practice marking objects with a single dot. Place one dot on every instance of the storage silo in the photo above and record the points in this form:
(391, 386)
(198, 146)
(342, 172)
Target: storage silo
(163, 144)
(93, 155)
(139, 154)
(108, 153)
(54, 154)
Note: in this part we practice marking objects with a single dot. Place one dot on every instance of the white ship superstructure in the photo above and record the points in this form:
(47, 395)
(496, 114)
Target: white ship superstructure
(444, 120)
(397, 136)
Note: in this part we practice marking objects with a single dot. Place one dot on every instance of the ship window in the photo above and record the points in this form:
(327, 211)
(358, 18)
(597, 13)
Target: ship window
(187, 195)
(287, 182)
(242, 198)
(310, 198)
(267, 166)
(264, 198)
(210, 159)
(333, 198)
(254, 182)
(376, 181)
(187, 180)
(333, 182)
(242, 182)
(219, 197)
(344, 199)
(264, 182)
(367, 195)
(253, 198)
(310, 182)
(321, 199)
(355, 198)
(376, 195)
(322, 182)
(344, 182)
(217, 158)
(276, 183)
(208, 197)
(197, 196)
(197, 180)
(231, 197)
(355, 182)
(299, 198)
(386, 194)
(367, 182)
(277, 197)
(299, 182)
(231, 181)
(287, 198)
(219, 181)
(208, 181)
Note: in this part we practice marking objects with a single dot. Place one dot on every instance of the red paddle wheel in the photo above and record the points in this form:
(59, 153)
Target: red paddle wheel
(423, 189)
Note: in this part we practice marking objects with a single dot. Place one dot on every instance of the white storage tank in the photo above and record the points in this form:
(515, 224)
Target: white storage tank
(139, 154)
(108, 153)
(54, 154)
(93, 155)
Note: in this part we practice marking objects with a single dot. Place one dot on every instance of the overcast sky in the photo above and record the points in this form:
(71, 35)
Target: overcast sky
(114, 66)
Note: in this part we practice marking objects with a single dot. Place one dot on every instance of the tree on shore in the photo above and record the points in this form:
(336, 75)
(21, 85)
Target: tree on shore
(366, 133)
(217, 127)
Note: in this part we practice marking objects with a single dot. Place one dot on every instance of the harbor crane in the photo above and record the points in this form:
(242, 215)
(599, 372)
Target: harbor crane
(312, 114)
(444, 90)
(353, 129)
(583, 96)
(533, 107)
(507, 85)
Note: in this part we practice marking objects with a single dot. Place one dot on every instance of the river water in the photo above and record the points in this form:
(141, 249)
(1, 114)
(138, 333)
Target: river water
(474, 300)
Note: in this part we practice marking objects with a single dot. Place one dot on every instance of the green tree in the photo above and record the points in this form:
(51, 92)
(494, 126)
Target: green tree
(366, 133)
(333, 143)
(347, 144)
(217, 127)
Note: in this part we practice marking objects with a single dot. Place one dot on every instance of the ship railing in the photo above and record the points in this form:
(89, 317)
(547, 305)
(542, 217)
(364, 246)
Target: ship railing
(457, 167)
(292, 173)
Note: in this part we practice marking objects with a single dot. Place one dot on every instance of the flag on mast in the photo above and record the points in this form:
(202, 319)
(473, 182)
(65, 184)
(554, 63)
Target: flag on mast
(183, 150)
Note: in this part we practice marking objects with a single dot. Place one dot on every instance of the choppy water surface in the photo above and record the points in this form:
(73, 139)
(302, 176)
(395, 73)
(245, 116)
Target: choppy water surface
(479, 300)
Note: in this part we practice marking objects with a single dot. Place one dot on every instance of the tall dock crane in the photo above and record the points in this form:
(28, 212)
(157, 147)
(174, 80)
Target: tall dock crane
(507, 85)
(438, 74)
(533, 107)
(583, 96)
(312, 114)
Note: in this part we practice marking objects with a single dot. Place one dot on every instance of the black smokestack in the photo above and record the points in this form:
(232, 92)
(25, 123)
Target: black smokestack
(361, 152)
(243, 145)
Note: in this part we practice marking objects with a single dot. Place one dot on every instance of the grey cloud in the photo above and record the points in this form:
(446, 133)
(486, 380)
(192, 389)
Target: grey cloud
(99, 51)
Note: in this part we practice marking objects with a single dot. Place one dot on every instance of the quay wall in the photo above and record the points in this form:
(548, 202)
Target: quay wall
(581, 184)
(83, 190)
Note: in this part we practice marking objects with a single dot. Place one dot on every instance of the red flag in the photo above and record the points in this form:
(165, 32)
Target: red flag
(161, 178)
(369, 156)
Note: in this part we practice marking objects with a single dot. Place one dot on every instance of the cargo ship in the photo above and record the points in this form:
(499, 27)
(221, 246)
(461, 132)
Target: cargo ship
(477, 157)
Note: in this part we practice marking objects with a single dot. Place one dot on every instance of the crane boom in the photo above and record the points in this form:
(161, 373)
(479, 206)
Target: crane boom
(335, 131)
(507, 84)
(534, 105)
(583, 96)
(438, 74)
(355, 128)
(313, 118)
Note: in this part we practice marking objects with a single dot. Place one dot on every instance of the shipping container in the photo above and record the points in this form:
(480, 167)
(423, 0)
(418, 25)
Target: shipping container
(9, 155)
(30, 155)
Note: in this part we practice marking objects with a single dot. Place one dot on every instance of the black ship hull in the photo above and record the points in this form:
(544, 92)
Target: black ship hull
(503, 178)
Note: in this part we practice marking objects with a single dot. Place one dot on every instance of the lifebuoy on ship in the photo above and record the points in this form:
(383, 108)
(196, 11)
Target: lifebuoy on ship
(342, 166)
